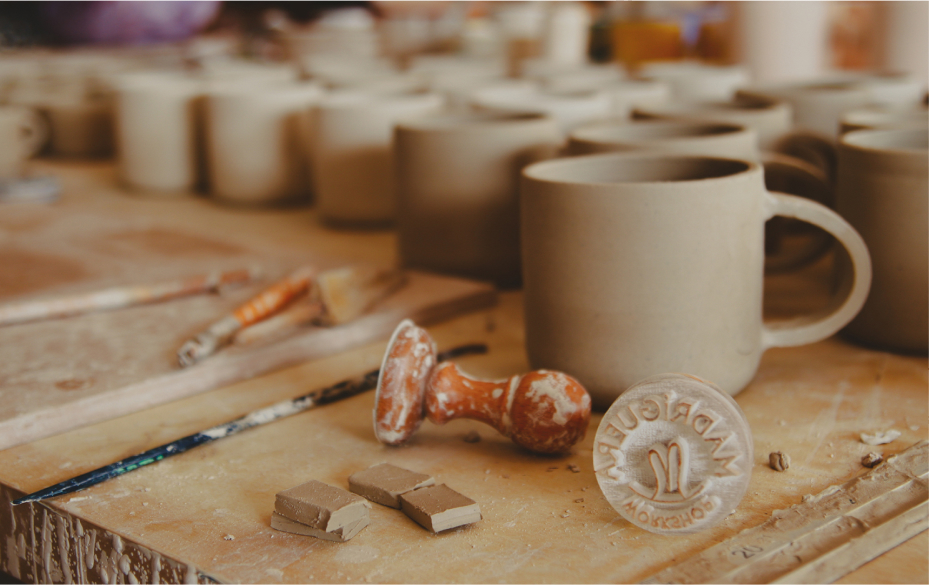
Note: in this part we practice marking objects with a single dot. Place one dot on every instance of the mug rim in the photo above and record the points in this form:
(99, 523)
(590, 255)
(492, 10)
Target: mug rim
(714, 130)
(858, 140)
(537, 171)
(472, 121)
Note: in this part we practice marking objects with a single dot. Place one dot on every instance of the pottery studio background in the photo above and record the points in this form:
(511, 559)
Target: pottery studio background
(639, 186)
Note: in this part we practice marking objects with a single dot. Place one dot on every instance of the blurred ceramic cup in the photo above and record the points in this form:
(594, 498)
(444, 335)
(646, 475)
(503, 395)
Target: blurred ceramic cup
(81, 126)
(883, 192)
(691, 81)
(22, 134)
(638, 264)
(771, 119)
(352, 146)
(158, 131)
(629, 94)
(458, 178)
(885, 118)
(671, 136)
(569, 109)
(256, 141)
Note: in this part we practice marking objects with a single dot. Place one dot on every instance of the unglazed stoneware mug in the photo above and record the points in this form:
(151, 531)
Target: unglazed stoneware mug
(256, 141)
(22, 134)
(458, 190)
(569, 109)
(693, 81)
(884, 117)
(158, 131)
(883, 192)
(638, 264)
(352, 146)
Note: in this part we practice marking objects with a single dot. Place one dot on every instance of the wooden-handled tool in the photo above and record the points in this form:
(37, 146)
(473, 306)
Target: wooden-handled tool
(543, 411)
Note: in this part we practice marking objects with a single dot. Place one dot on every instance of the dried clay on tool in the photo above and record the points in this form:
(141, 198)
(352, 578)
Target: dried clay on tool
(439, 508)
(323, 507)
(384, 483)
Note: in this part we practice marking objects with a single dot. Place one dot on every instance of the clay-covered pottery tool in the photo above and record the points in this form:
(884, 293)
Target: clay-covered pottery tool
(543, 411)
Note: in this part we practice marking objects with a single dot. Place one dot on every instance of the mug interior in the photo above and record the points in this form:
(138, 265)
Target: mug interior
(653, 130)
(461, 121)
(623, 168)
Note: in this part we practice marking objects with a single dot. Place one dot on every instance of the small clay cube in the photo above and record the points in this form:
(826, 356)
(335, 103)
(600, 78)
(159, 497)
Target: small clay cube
(383, 483)
(439, 508)
(279, 522)
(321, 506)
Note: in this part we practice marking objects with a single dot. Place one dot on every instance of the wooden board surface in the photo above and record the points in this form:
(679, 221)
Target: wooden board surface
(206, 514)
(60, 374)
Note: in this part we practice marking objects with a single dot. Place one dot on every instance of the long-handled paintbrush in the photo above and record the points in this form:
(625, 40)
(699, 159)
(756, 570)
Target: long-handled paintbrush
(271, 413)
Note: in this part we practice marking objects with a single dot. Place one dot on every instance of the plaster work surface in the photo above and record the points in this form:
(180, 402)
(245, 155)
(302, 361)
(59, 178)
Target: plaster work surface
(207, 513)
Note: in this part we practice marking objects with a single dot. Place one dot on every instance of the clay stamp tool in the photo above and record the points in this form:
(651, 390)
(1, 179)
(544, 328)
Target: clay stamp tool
(120, 297)
(262, 416)
(260, 307)
(824, 536)
(673, 454)
(543, 411)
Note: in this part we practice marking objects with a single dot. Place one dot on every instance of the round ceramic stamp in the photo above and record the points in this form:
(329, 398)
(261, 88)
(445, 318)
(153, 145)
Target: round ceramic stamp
(673, 454)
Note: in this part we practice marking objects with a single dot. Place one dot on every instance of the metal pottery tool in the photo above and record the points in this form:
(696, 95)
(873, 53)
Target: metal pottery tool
(543, 411)
(825, 536)
(262, 416)
(119, 297)
(258, 308)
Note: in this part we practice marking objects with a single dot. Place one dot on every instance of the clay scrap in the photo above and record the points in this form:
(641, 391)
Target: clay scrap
(438, 508)
(321, 510)
(384, 483)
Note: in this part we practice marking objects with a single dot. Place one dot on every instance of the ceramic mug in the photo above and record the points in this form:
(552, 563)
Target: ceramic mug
(158, 131)
(353, 167)
(693, 81)
(638, 264)
(883, 192)
(22, 134)
(256, 143)
(884, 117)
(458, 190)
(569, 109)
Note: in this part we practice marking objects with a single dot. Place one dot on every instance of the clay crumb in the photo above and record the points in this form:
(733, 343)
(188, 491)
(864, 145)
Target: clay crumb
(574, 468)
(229, 537)
(472, 437)
(872, 459)
(552, 468)
(779, 461)
(579, 501)
(880, 437)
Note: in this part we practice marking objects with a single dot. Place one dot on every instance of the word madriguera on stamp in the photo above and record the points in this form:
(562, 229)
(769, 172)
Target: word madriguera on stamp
(673, 454)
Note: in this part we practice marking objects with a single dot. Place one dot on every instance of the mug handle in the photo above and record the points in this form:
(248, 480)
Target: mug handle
(812, 148)
(34, 132)
(851, 294)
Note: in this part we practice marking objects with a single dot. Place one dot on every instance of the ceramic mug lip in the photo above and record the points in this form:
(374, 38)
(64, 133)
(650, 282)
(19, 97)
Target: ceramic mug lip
(707, 170)
(472, 121)
(914, 142)
(648, 130)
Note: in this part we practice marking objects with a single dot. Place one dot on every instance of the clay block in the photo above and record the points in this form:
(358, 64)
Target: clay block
(439, 508)
(279, 522)
(321, 506)
(383, 483)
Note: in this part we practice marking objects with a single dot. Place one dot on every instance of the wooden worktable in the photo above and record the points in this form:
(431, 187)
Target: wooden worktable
(205, 515)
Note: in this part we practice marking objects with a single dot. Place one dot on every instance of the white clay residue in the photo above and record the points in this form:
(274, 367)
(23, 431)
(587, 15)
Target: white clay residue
(355, 554)
(880, 437)
(554, 387)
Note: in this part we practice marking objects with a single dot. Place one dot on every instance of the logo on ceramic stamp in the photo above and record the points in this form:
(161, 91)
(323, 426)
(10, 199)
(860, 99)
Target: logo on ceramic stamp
(673, 460)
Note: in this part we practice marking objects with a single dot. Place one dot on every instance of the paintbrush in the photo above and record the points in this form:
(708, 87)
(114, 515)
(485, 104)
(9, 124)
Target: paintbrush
(262, 416)
(119, 297)
(339, 295)
(267, 303)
